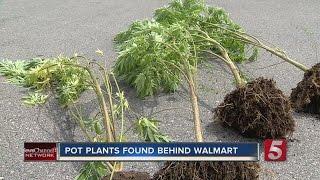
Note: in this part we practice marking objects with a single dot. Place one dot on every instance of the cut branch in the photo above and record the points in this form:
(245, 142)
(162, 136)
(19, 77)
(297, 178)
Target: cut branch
(247, 38)
(224, 57)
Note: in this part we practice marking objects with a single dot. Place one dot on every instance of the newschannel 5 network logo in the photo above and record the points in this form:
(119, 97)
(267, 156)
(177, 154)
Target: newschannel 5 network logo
(274, 150)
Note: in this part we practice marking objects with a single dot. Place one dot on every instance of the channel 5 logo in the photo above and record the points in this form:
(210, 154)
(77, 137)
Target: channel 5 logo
(275, 150)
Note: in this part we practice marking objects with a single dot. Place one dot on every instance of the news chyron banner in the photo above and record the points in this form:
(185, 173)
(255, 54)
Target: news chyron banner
(141, 151)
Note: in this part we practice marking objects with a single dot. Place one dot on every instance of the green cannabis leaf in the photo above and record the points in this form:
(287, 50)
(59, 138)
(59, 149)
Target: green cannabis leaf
(149, 57)
(66, 79)
(154, 54)
(35, 98)
(41, 75)
(15, 71)
(93, 171)
(149, 131)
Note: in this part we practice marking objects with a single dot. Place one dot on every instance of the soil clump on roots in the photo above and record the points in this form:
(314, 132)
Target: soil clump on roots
(306, 96)
(258, 109)
(208, 170)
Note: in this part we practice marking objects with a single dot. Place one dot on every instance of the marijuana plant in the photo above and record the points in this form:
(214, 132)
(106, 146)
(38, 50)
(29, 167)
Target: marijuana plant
(147, 51)
(195, 13)
(66, 78)
(154, 55)
(306, 96)
(62, 75)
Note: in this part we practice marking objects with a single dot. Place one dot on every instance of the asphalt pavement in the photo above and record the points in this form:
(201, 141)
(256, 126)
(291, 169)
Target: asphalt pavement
(30, 28)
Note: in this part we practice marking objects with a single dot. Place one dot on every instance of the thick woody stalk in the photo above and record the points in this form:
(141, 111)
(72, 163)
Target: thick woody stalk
(234, 69)
(189, 75)
(195, 108)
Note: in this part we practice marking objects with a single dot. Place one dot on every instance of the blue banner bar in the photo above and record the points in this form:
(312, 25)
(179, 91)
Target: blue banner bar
(158, 151)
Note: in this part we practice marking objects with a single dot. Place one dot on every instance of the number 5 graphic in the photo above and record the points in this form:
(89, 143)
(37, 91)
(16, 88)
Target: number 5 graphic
(275, 150)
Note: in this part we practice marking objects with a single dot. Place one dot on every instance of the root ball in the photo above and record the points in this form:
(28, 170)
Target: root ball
(306, 96)
(259, 110)
(208, 170)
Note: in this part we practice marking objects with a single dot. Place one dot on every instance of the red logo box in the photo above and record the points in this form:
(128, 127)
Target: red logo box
(40, 151)
(275, 150)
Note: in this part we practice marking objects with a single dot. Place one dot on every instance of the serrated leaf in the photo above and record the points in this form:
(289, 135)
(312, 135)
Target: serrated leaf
(34, 99)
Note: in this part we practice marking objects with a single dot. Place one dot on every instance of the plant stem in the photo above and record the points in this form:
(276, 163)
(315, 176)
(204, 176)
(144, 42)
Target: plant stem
(283, 56)
(118, 166)
(102, 102)
(103, 106)
(195, 108)
(225, 57)
(234, 69)
(108, 87)
(78, 117)
(256, 42)
(109, 92)
(187, 72)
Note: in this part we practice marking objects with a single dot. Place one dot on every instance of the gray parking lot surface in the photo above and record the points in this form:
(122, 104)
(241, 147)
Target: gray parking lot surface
(30, 28)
